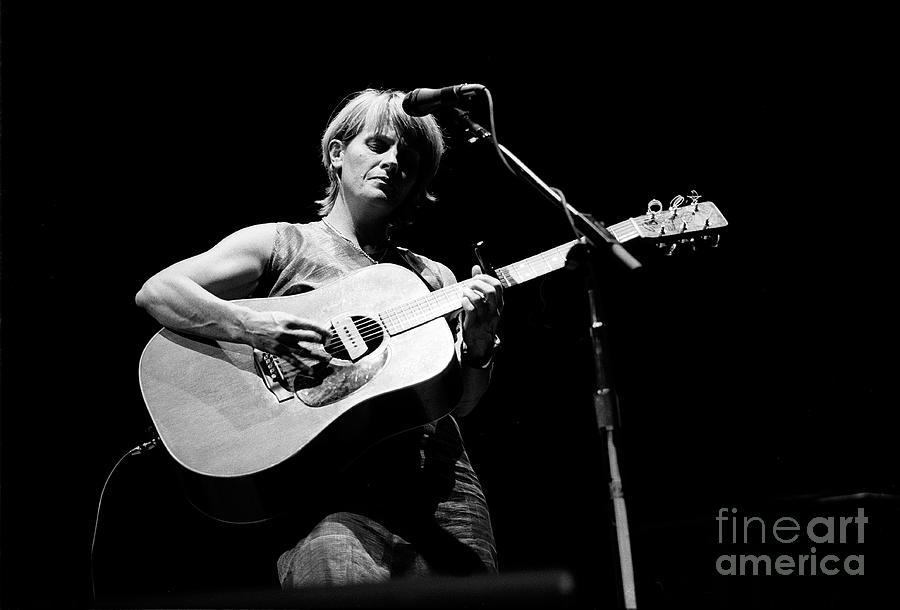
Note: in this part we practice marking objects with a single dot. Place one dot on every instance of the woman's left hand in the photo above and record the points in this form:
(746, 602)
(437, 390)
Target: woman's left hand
(482, 305)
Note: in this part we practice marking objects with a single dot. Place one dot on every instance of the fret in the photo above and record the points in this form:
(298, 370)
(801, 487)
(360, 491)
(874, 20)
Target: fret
(537, 265)
(424, 309)
(624, 231)
(627, 229)
(505, 279)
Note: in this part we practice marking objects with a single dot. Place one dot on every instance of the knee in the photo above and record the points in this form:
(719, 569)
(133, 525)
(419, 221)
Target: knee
(330, 555)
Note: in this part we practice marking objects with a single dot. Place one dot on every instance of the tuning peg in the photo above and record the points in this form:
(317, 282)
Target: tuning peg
(695, 200)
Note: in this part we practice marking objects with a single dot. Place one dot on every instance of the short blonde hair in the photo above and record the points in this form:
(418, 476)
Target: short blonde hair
(382, 110)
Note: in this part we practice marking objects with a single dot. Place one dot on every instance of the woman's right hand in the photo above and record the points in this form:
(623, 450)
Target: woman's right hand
(299, 340)
(197, 295)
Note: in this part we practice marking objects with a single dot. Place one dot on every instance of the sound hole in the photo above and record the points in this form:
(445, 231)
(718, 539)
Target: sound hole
(346, 374)
(369, 329)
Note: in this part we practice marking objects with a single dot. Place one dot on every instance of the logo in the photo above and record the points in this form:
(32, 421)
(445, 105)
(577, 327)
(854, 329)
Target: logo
(833, 531)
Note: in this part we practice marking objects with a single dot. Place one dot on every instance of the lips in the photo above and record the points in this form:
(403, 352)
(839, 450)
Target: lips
(384, 180)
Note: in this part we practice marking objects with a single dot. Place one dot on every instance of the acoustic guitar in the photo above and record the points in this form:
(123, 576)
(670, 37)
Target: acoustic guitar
(248, 432)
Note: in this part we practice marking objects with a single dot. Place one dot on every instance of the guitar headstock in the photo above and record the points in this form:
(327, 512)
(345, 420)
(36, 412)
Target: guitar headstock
(684, 221)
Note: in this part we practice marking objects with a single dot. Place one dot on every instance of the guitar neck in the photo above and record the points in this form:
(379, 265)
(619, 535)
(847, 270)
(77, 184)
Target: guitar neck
(449, 299)
(555, 258)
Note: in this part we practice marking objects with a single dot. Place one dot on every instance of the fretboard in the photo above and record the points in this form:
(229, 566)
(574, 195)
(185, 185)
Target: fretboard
(447, 300)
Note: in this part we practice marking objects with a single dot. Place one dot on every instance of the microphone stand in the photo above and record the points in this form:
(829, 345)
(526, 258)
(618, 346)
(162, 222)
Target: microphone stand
(594, 237)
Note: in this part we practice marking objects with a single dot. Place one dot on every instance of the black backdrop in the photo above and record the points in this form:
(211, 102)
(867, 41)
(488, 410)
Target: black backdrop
(752, 376)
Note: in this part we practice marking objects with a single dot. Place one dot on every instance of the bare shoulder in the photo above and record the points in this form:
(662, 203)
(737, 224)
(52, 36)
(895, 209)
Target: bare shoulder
(256, 239)
(231, 267)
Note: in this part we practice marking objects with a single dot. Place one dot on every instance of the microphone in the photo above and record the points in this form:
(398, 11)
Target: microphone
(420, 102)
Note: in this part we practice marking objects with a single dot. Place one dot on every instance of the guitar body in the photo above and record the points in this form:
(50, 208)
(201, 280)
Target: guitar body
(246, 454)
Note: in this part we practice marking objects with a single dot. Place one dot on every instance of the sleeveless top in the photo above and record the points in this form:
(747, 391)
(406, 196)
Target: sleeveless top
(417, 479)
(307, 256)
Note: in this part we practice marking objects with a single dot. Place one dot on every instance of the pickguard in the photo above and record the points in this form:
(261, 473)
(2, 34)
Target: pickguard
(344, 378)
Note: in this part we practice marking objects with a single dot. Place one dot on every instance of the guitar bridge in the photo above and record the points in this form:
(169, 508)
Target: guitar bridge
(268, 368)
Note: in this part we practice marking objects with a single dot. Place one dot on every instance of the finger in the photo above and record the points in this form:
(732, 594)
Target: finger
(471, 299)
(319, 352)
(488, 280)
(292, 362)
(484, 287)
(496, 293)
(477, 272)
(293, 322)
(294, 337)
(491, 295)
(314, 352)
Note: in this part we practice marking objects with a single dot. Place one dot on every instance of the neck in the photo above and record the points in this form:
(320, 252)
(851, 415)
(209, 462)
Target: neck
(365, 230)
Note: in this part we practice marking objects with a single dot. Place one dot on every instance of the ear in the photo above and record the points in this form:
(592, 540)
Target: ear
(336, 152)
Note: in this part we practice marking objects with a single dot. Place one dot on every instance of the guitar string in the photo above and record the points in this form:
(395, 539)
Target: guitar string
(367, 330)
(431, 299)
(370, 326)
(542, 258)
(370, 329)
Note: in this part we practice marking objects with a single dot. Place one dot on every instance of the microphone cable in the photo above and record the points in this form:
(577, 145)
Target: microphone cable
(496, 144)
(490, 101)
(142, 448)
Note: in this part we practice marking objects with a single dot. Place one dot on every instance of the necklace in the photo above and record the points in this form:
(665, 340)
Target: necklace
(354, 245)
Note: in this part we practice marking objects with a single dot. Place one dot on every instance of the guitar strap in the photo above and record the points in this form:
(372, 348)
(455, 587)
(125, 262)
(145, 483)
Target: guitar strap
(416, 265)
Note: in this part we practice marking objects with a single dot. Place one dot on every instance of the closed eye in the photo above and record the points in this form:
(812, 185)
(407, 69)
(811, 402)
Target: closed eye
(406, 156)
(378, 143)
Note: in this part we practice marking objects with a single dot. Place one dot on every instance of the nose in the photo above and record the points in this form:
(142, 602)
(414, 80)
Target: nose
(389, 161)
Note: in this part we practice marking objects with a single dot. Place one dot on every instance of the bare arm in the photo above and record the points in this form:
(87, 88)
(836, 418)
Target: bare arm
(193, 296)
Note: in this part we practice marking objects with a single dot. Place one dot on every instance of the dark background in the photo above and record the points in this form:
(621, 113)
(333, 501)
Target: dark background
(755, 375)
